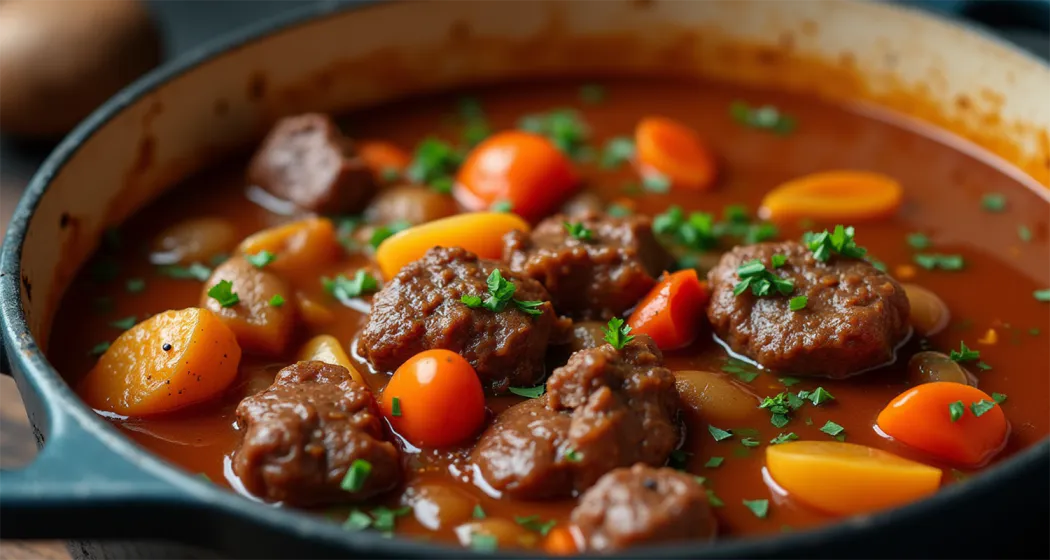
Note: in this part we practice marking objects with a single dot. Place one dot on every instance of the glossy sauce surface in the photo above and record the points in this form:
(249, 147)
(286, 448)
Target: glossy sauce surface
(943, 186)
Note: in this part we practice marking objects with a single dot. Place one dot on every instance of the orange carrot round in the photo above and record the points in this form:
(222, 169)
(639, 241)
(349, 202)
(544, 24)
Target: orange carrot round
(519, 168)
(561, 542)
(941, 419)
(846, 478)
(669, 148)
(834, 196)
(380, 155)
(672, 311)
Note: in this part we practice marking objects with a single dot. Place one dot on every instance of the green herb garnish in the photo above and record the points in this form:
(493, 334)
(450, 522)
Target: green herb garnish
(483, 543)
(434, 161)
(617, 151)
(277, 300)
(718, 433)
(798, 303)
(395, 407)
(578, 231)
(918, 241)
(572, 456)
(780, 408)
(529, 392)
(740, 369)
(789, 381)
(834, 430)
(357, 521)
(818, 396)
(533, 523)
(1041, 295)
(356, 475)
(753, 274)
(750, 442)
(999, 397)
(1024, 233)
(563, 127)
(617, 333)
(500, 294)
(931, 261)
(993, 202)
(758, 507)
(478, 512)
(135, 285)
(343, 288)
(260, 259)
(502, 206)
(656, 183)
(224, 294)
(712, 499)
(766, 117)
(99, 349)
(123, 324)
(980, 407)
(678, 459)
(778, 260)
(956, 410)
(195, 271)
(783, 438)
(714, 462)
(839, 241)
(964, 354)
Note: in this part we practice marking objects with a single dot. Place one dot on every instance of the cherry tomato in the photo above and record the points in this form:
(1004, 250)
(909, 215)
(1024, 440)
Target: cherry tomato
(439, 399)
(519, 168)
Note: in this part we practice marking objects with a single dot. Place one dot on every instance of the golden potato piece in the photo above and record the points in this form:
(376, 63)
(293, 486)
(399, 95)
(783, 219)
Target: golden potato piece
(260, 326)
(297, 245)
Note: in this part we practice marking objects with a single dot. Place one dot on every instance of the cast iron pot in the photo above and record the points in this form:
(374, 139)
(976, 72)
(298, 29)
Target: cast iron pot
(90, 482)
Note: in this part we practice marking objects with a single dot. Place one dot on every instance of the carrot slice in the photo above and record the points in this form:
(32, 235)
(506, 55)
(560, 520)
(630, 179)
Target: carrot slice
(669, 148)
(480, 233)
(167, 362)
(846, 478)
(380, 155)
(922, 417)
(842, 196)
(671, 312)
(560, 542)
(519, 168)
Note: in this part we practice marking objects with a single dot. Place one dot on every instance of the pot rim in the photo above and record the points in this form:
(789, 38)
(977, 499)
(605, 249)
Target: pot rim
(57, 395)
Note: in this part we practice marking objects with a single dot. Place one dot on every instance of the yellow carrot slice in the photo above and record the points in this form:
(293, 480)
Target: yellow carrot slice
(169, 361)
(479, 232)
(297, 245)
(834, 196)
(847, 478)
(326, 348)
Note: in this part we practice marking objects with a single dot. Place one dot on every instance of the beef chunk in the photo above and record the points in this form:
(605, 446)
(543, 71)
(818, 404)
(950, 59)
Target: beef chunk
(595, 278)
(643, 505)
(604, 409)
(303, 433)
(306, 160)
(420, 309)
(854, 319)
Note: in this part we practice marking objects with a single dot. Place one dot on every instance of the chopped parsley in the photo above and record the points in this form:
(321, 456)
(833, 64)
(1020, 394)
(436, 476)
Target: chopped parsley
(219, 258)
(789, 381)
(343, 288)
(483, 543)
(932, 261)
(533, 523)
(750, 442)
(778, 260)
(618, 211)
(993, 202)
(714, 462)
(740, 369)
(563, 127)
(956, 410)
(1041, 295)
(753, 274)
(529, 392)
(983, 366)
(617, 151)
(617, 333)
(135, 285)
(999, 398)
(578, 231)
(834, 430)
(195, 271)
(695, 231)
(479, 513)
(780, 407)
(277, 300)
(395, 407)
(839, 241)
(475, 127)
(712, 499)
(592, 94)
(356, 475)
(783, 438)
(260, 259)
(656, 183)
(502, 206)
(1024, 233)
(798, 303)
(572, 456)
(964, 354)
(123, 324)
(718, 433)
(357, 521)
(433, 164)
(500, 294)
(758, 507)
(766, 117)
(99, 349)
(980, 407)
(224, 294)
(385, 519)
(818, 396)
(918, 241)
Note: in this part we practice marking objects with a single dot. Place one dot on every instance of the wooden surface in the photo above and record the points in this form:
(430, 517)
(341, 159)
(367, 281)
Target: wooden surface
(16, 440)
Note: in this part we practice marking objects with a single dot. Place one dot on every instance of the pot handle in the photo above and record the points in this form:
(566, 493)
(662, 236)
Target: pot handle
(80, 487)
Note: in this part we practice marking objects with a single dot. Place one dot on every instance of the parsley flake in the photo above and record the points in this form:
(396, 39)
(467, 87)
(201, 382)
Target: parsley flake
(918, 241)
(224, 294)
(260, 259)
(789, 381)
(1041, 295)
(999, 398)
(714, 462)
(656, 183)
(578, 231)
(500, 294)
(529, 392)
(433, 163)
(758, 507)
(753, 275)
(195, 271)
(778, 260)
(617, 151)
(479, 513)
(356, 475)
(563, 127)
(502, 206)
(712, 499)
(123, 324)
(750, 442)
(395, 407)
(783, 438)
(1024, 233)
(932, 261)
(533, 523)
(840, 241)
(383, 232)
(572, 456)
(617, 333)
(956, 410)
(964, 354)
(834, 430)
(357, 521)
(980, 407)
(344, 289)
(718, 433)
(993, 202)
(277, 300)
(483, 543)
(99, 349)
(766, 117)
(135, 285)
(798, 303)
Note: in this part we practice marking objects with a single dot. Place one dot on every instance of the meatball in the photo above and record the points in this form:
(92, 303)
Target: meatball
(307, 161)
(643, 505)
(302, 434)
(604, 409)
(421, 309)
(854, 319)
(595, 278)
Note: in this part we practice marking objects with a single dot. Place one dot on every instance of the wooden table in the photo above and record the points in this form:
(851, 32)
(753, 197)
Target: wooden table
(16, 439)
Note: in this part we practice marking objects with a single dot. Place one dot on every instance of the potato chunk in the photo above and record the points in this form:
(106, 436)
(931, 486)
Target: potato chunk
(260, 326)
(169, 361)
(297, 245)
